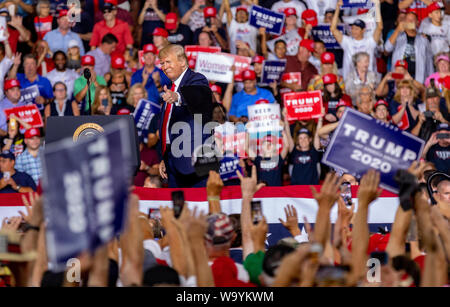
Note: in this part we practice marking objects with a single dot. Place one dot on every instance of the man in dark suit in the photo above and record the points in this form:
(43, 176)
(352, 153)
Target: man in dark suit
(181, 131)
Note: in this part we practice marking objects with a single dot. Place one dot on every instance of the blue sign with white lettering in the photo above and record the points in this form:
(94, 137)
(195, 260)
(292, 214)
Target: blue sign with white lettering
(264, 18)
(361, 142)
(29, 94)
(272, 71)
(228, 168)
(357, 3)
(323, 33)
(143, 114)
(86, 191)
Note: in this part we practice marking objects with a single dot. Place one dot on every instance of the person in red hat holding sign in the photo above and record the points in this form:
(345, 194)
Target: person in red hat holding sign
(151, 76)
(29, 160)
(111, 24)
(80, 87)
(11, 100)
(300, 63)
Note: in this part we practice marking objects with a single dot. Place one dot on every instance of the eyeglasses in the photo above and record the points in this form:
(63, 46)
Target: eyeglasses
(60, 90)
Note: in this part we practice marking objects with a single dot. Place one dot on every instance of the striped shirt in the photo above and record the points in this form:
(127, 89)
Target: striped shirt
(26, 163)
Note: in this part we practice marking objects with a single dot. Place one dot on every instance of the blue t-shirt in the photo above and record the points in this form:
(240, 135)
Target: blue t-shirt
(20, 178)
(44, 85)
(242, 100)
(304, 171)
(440, 157)
(270, 170)
(152, 91)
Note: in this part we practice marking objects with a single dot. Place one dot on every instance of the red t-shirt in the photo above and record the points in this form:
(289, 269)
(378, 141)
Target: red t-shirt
(13, 38)
(43, 25)
(121, 30)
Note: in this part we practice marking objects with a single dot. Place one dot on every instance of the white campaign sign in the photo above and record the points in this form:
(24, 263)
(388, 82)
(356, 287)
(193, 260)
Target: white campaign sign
(215, 67)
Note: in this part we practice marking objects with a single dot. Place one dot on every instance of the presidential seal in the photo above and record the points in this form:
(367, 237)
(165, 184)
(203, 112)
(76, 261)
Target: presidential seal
(87, 130)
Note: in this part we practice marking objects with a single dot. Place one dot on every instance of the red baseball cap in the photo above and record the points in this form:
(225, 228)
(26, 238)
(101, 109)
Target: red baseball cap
(123, 112)
(216, 89)
(171, 21)
(192, 63)
(63, 13)
(11, 83)
(241, 8)
(308, 44)
(380, 102)
(87, 60)
(262, 101)
(258, 59)
(402, 63)
(329, 79)
(327, 58)
(310, 17)
(118, 61)
(32, 132)
(343, 103)
(289, 11)
(434, 6)
(248, 75)
(150, 48)
(160, 32)
(209, 11)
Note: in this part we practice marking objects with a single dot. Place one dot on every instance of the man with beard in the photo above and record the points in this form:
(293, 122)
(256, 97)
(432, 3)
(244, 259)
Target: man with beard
(62, 73)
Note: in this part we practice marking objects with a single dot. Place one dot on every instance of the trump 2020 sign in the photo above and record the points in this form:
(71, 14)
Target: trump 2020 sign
(361, 142)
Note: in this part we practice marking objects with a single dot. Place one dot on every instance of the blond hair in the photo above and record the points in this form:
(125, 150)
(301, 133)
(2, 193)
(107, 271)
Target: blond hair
(132, 90)
(407, 83)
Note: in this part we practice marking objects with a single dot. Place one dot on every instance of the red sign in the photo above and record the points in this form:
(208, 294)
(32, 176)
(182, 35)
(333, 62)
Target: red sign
(404, 123)
(303, 105)
(193, 50)
(234, 143)
(292, 78)
(241, 63)
(29, 114)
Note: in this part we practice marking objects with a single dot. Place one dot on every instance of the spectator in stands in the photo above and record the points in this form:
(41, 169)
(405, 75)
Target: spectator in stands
(62, 105)
(136, 93)
(360, 75)
(152, 16)
(357, 41)
(178, 33)
(404, 102)
(316, 56)
(118, 66)
(279, 51)
(13, 181)
(14, 142)
(62, 73)
(328, 66)
(118, 89)
(437, 149)
(437, 32)
(17, 31)
(112, 25)
(381, 111)
(29, 161)
(80, 88)
(365, 99)
(30, 77)
(102, 54)
(217, 34)
(442, 62)
(102, 102)
(418, 7)
(160, 36)
(122, 14)
(332, 94)
(239, 29)
(151, 76)
(74, 56)
(194, 16)
(6, 61)
(443, 191)
(247, 97)
(43, 22)
(281, 5)
(300, 63)
(435, 114)
(59, 38)
(11, 100)
(43, 54)
(405, 44)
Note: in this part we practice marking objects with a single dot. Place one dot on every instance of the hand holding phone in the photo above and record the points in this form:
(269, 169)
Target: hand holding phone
(6, 175)
(178, 203)
(256, 208)
(346, 193)
(397, 76)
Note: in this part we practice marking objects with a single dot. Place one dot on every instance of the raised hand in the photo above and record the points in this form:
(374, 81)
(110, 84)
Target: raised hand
(214, 185)
(329, 192)
(291, 222)
(249, 186)
(368, 189)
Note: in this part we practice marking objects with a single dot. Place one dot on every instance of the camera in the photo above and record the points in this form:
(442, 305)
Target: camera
(208, 21)
(256, 208)
(428, 114)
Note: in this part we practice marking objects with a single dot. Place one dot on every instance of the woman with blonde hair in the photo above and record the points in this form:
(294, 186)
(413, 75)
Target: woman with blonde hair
(136, 93)
(404, 102)
(102, 102)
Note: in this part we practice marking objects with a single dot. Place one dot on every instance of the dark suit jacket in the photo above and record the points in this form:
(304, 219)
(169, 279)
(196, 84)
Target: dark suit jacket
(183, 116)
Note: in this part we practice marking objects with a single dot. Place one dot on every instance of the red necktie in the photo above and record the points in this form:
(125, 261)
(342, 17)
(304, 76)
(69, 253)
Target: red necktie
(166, 122)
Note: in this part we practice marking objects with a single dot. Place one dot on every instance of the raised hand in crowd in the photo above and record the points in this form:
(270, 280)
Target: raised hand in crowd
(214, 187)
(291, 222)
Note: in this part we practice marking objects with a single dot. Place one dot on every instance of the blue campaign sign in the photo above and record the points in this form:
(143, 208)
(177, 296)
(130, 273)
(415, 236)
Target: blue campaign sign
(361, 142)
(272, 71)
(228, 168)
(143, 114)
(261, 17)
(86, 191)
(322, 32)
(357, 3)
(29, 94)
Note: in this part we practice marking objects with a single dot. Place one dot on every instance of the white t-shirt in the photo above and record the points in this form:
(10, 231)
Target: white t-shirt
(5, 65)
(233, 12)
(243, 32)
(196, 21)
(280, 6)
(440, 36)
(320, 6)
(352, 46)
(68, 77)
(292, 39)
